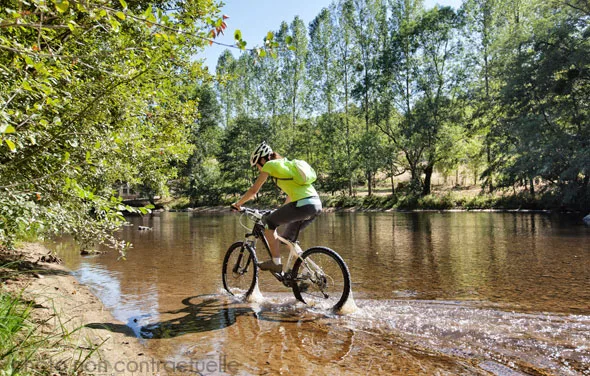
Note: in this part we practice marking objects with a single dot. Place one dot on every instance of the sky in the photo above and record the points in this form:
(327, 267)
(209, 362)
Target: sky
(254, 18)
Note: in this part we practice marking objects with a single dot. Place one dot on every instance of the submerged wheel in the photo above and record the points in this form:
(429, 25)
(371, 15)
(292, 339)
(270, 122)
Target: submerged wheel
(321, 278)
(240, 270)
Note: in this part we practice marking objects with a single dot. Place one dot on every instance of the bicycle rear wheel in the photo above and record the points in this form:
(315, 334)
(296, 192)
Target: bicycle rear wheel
(240, 270)
(321, 278)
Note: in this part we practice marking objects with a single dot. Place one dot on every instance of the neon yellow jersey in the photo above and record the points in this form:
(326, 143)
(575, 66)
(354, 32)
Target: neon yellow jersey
(278, 169)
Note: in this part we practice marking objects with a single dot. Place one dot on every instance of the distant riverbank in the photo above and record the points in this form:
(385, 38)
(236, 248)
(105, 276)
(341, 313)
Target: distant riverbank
(444, 201)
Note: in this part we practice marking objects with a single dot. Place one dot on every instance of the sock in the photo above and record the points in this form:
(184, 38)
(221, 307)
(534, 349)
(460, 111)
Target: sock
(276, 260)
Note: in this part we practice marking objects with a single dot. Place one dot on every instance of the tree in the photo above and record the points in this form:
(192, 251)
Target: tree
(428, 53)
(321, 62)
(226, 70)
(90, 96)
(293, 70)
(369, 24)
(237, 144)
(202, 170)
(547, 111)
(346, 56)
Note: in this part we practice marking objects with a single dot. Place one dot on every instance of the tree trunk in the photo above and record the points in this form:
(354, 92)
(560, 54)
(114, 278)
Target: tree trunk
(427, 179)
(489, 155)
(532, 186)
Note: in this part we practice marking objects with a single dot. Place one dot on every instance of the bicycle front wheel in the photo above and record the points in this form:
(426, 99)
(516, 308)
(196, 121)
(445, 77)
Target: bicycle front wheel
(240, 270)
(321, 278)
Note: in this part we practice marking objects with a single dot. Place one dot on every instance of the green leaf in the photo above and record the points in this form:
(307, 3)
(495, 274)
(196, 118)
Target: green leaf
(270, 36)
(27, 86)
(123, 4)
(121, 15)
(11, 145)
(88, 157)
(238, 35)
(149, 15)
(289, 39)
(62, 5)
(8, 129)
(114, 24)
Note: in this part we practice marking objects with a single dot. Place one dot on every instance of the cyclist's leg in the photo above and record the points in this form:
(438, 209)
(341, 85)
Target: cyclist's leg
(281, 216)
(304, 216)
(290, 215)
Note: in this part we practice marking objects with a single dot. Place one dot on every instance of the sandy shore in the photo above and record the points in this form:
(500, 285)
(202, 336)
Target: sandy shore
(63, 307)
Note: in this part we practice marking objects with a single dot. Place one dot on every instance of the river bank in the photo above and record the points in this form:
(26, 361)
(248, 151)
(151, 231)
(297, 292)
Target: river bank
(438, 201)
(65, 321)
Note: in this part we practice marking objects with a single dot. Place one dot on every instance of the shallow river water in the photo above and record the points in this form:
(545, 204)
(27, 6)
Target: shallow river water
(437, 293)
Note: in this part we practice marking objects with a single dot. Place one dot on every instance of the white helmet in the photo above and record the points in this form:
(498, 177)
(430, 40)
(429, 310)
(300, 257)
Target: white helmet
(263, 150)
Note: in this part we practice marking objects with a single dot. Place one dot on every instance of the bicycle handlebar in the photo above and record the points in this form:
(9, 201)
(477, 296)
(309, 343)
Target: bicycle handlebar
(255, 213)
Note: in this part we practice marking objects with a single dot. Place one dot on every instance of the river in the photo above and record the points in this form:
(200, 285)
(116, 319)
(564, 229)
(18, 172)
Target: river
(437, 293)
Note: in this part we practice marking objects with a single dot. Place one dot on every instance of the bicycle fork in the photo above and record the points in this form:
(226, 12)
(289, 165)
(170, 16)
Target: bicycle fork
(238, 269)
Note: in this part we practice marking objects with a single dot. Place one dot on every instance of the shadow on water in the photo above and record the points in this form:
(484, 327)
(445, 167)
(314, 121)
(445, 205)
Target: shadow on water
(205, 313)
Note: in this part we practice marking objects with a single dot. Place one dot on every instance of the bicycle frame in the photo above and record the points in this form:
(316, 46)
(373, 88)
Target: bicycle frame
(294, 249)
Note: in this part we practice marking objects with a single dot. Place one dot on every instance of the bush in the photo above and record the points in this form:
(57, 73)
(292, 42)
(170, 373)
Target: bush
(341, 201)
(436, 202)
(379, 202)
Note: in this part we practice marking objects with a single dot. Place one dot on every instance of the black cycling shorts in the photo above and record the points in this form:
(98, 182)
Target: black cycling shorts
(296, 218)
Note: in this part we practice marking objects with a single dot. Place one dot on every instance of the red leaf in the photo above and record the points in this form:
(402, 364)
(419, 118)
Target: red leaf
(225, 17)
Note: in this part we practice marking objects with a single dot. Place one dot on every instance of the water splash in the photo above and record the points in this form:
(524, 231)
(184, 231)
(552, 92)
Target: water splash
(349, 306)
(256, 296)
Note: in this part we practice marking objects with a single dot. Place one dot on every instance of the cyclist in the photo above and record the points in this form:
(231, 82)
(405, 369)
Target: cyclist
(300, 208)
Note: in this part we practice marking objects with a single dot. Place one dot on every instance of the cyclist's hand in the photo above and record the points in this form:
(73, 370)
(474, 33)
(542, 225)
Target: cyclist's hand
(234, 207)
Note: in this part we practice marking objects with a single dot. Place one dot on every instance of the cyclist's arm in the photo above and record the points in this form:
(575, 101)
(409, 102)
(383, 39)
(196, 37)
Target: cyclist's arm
(253, 189)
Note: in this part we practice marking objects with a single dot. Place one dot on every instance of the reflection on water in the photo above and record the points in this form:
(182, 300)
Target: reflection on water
(447, 293)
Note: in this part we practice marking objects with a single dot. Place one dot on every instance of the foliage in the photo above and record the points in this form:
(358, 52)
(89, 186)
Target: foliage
(93, 95)
(547, 112)
(496, 86)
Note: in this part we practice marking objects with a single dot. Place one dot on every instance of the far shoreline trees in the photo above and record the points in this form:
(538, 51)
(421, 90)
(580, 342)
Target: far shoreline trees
(388, 86)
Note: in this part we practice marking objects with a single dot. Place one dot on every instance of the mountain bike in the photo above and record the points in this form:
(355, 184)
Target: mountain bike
(317, 276)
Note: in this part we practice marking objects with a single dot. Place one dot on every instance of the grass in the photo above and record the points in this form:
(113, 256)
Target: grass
(29, 345)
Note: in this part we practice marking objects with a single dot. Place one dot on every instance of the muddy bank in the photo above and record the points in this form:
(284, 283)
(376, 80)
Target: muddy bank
(63, 308)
